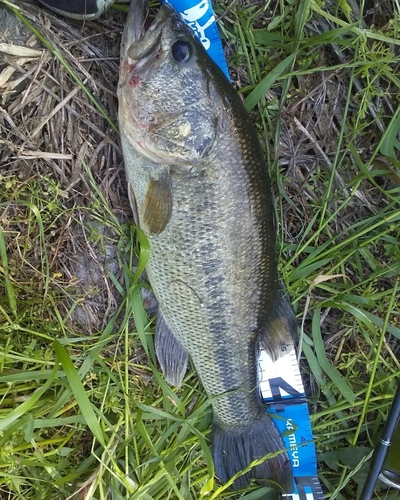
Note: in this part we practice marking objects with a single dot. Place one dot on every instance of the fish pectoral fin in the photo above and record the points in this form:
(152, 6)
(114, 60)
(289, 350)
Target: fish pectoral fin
(171, 354)
(157, 203)
(281, 327)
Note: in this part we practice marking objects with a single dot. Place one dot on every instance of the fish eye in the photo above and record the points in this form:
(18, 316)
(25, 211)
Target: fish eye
(181, 51)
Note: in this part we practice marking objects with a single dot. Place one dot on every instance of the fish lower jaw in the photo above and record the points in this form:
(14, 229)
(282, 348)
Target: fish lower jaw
(141, 148)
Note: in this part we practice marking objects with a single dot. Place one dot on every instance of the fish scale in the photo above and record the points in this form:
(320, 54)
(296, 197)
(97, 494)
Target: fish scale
(178, 262)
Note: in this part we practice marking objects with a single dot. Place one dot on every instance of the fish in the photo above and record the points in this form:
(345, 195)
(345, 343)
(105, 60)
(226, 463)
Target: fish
(200, 190)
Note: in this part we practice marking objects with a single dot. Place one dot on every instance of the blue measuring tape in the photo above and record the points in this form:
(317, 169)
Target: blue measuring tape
(283, 393)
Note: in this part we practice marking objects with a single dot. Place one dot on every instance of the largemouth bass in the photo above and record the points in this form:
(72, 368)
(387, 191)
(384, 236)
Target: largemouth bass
(200, 189)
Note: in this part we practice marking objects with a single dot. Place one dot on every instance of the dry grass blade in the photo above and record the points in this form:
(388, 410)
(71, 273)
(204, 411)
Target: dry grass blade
(17, 50)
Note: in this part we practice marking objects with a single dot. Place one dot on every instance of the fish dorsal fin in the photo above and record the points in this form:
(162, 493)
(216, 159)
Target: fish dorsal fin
(281, 327)
(157, 203)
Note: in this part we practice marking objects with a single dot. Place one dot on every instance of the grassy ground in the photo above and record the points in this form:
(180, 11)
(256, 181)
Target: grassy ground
(84, 412)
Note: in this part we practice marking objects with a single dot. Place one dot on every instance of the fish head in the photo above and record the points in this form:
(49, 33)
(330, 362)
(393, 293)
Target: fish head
(168, 106)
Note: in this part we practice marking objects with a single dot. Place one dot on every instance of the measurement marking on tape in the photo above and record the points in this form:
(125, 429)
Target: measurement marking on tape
(281, 376)
(308, 488)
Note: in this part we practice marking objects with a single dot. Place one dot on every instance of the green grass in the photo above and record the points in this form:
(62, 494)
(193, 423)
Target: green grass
(87, 414)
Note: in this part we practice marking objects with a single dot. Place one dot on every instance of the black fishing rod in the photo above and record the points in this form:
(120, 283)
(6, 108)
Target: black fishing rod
(377, 469)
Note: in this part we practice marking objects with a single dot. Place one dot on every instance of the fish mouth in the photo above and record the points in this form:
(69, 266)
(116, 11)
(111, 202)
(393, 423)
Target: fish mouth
(134, 25)
(142, 41)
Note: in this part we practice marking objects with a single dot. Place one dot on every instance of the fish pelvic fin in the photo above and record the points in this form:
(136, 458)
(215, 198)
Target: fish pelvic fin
(171, 354)
(281, 327)
(235, 448)
(132, 201)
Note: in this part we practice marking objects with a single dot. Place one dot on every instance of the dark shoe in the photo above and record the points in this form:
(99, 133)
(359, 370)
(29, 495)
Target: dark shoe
(78, 9)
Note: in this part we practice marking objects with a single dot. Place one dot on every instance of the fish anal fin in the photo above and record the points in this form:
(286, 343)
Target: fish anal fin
(171, 355)
(157, 204)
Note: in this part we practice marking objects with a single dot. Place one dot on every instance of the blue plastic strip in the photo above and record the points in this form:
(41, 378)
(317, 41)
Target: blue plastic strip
(200, 17)
(283, 392)
(293, 423)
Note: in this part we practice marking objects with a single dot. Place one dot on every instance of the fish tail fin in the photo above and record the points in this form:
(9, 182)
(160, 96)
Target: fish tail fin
(235, 448)
(282, 324)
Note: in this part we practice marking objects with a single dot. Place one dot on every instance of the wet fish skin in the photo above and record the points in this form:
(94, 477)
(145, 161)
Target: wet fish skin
(202, 195)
